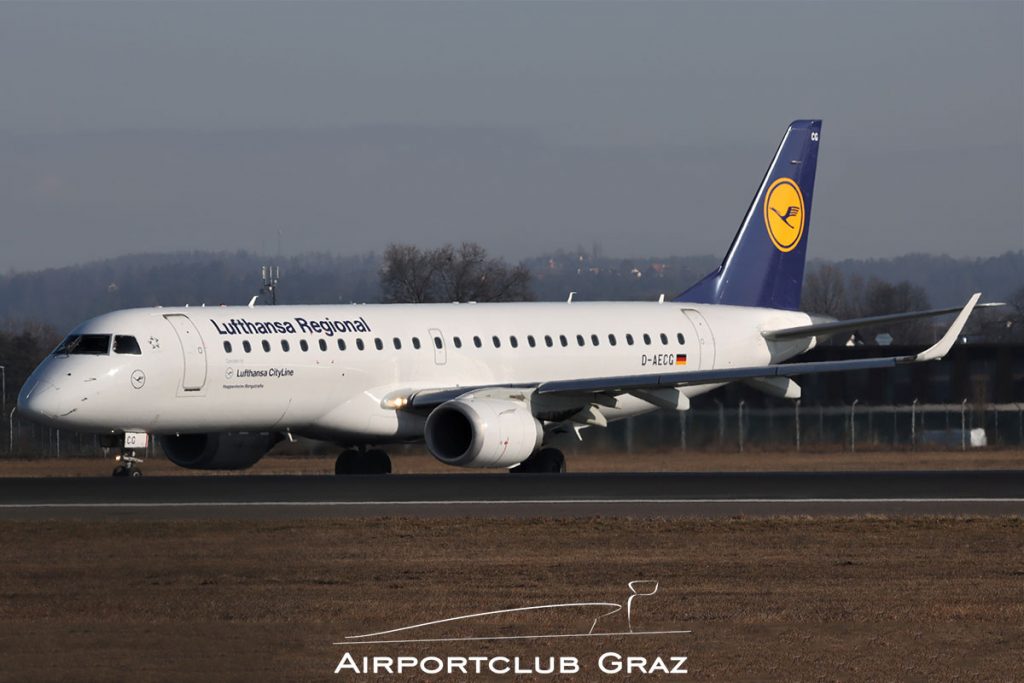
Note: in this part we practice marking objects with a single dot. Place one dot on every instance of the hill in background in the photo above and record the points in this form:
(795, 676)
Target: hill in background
(62, 297)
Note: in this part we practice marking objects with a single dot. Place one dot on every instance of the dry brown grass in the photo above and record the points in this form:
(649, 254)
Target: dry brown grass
(416, 461)
(775, 599)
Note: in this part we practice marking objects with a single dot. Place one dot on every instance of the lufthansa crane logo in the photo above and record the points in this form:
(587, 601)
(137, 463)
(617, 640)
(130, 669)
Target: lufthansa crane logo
(784, 214)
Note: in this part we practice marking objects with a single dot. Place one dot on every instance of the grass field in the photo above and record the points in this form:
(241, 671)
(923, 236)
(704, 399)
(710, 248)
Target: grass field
(415, 461)
(777, 599)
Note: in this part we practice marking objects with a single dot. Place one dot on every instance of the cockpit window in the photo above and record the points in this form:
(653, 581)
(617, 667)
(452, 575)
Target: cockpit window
(85, 345)
(126, 345)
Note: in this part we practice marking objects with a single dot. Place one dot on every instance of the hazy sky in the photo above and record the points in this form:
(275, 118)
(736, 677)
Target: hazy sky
(527, 126)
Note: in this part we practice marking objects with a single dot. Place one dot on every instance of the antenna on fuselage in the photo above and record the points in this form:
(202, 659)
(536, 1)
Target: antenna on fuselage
(271, 275)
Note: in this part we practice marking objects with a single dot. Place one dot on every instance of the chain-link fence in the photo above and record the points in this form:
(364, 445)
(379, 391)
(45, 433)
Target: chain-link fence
(792, 426)
(796, 426)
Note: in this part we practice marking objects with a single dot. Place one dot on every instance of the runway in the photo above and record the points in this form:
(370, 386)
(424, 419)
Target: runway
(975, 492)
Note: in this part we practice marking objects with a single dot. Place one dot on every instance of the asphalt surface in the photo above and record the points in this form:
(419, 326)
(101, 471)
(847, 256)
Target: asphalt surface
(982, 492)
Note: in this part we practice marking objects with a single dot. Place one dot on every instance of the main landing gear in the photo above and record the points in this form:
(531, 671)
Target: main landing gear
(373, 461)
(546, 460)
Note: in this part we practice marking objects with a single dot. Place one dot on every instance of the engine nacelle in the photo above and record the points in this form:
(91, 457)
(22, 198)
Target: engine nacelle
(217, 451)
(482, 432)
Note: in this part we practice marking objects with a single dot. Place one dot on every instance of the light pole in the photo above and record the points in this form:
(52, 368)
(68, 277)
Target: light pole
(740, 414)
(3, 388)
(796, 410)
(853, 425)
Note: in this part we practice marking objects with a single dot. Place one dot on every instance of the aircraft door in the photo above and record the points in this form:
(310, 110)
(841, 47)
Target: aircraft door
(437, 341)
(705, 339)
(193, 349)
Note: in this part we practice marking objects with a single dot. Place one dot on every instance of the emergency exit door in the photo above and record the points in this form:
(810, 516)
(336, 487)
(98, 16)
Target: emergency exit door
(705, 339)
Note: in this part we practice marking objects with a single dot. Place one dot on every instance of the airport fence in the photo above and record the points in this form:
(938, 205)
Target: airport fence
(739, 427)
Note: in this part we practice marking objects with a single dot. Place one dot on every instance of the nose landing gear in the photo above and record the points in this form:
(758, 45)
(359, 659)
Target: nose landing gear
(129, 465)
(128, 445)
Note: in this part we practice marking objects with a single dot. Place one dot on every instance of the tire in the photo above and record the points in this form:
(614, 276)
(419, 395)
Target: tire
(544, 461)
(348, 462)
(120, 471)
(376, 461)
(135, 472)
(551, 460)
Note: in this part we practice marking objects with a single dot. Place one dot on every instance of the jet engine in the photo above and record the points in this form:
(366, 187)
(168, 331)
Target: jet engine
(217, 451)
(482, 432)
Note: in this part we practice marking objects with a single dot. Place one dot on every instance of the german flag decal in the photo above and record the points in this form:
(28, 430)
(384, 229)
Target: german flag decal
(680, 359)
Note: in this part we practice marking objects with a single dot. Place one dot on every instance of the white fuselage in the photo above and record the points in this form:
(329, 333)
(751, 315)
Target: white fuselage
(193, 373)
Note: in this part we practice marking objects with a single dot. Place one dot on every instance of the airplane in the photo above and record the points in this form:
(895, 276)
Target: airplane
(497, 385)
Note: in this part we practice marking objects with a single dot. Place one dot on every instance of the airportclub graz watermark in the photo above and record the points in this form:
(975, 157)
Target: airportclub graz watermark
(605, 620)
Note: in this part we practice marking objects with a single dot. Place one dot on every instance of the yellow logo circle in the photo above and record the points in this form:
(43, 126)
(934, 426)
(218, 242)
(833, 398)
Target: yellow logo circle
(784, 214)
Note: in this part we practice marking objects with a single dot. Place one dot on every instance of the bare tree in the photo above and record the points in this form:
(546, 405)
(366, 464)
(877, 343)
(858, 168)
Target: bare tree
(463, 273)
(882, 298)
(410, 275)
(1003, 324)
(825, 292)
(829, 292)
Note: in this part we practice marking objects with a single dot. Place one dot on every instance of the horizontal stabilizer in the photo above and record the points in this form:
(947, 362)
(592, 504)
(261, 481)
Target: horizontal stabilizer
(830, 328)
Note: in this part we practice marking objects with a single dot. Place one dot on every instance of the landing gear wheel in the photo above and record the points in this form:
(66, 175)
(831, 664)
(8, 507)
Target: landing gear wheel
(377, 462)
(123, 471)
(544, 461)
(348, 462)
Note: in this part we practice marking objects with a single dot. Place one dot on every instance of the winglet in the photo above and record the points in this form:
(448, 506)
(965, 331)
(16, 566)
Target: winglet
(942, 347)
(252, 301)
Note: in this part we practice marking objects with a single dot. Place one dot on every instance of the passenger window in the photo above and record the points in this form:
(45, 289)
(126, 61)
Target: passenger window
(398, 344)
(266, 346)
(378, 343)
(227, 347)
(547, 341)
(458, 342)
(679, 336)
(497, 342)
(437, 343)
(513, 341)
(126, 345)
(285, 346)
(647, 339)
(595, 340)
(477, 343)
(579, 339)
(304, 345)
(360, 345)
(323, 345)
(629, 339)
(611, 339)
(341, 344)
(531, 341)
(563, 340)
(247, 346)
(415, 342)
(664, 339)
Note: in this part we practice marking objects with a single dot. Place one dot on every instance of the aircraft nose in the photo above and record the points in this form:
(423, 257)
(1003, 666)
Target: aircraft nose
(39, 401)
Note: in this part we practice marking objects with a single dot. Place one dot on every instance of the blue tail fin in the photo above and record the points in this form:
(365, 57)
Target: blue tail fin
(765, 263)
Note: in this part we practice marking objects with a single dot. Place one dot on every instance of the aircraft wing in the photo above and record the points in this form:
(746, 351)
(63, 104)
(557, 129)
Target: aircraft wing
(837, 326)
(718, 376)
(428, 398)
